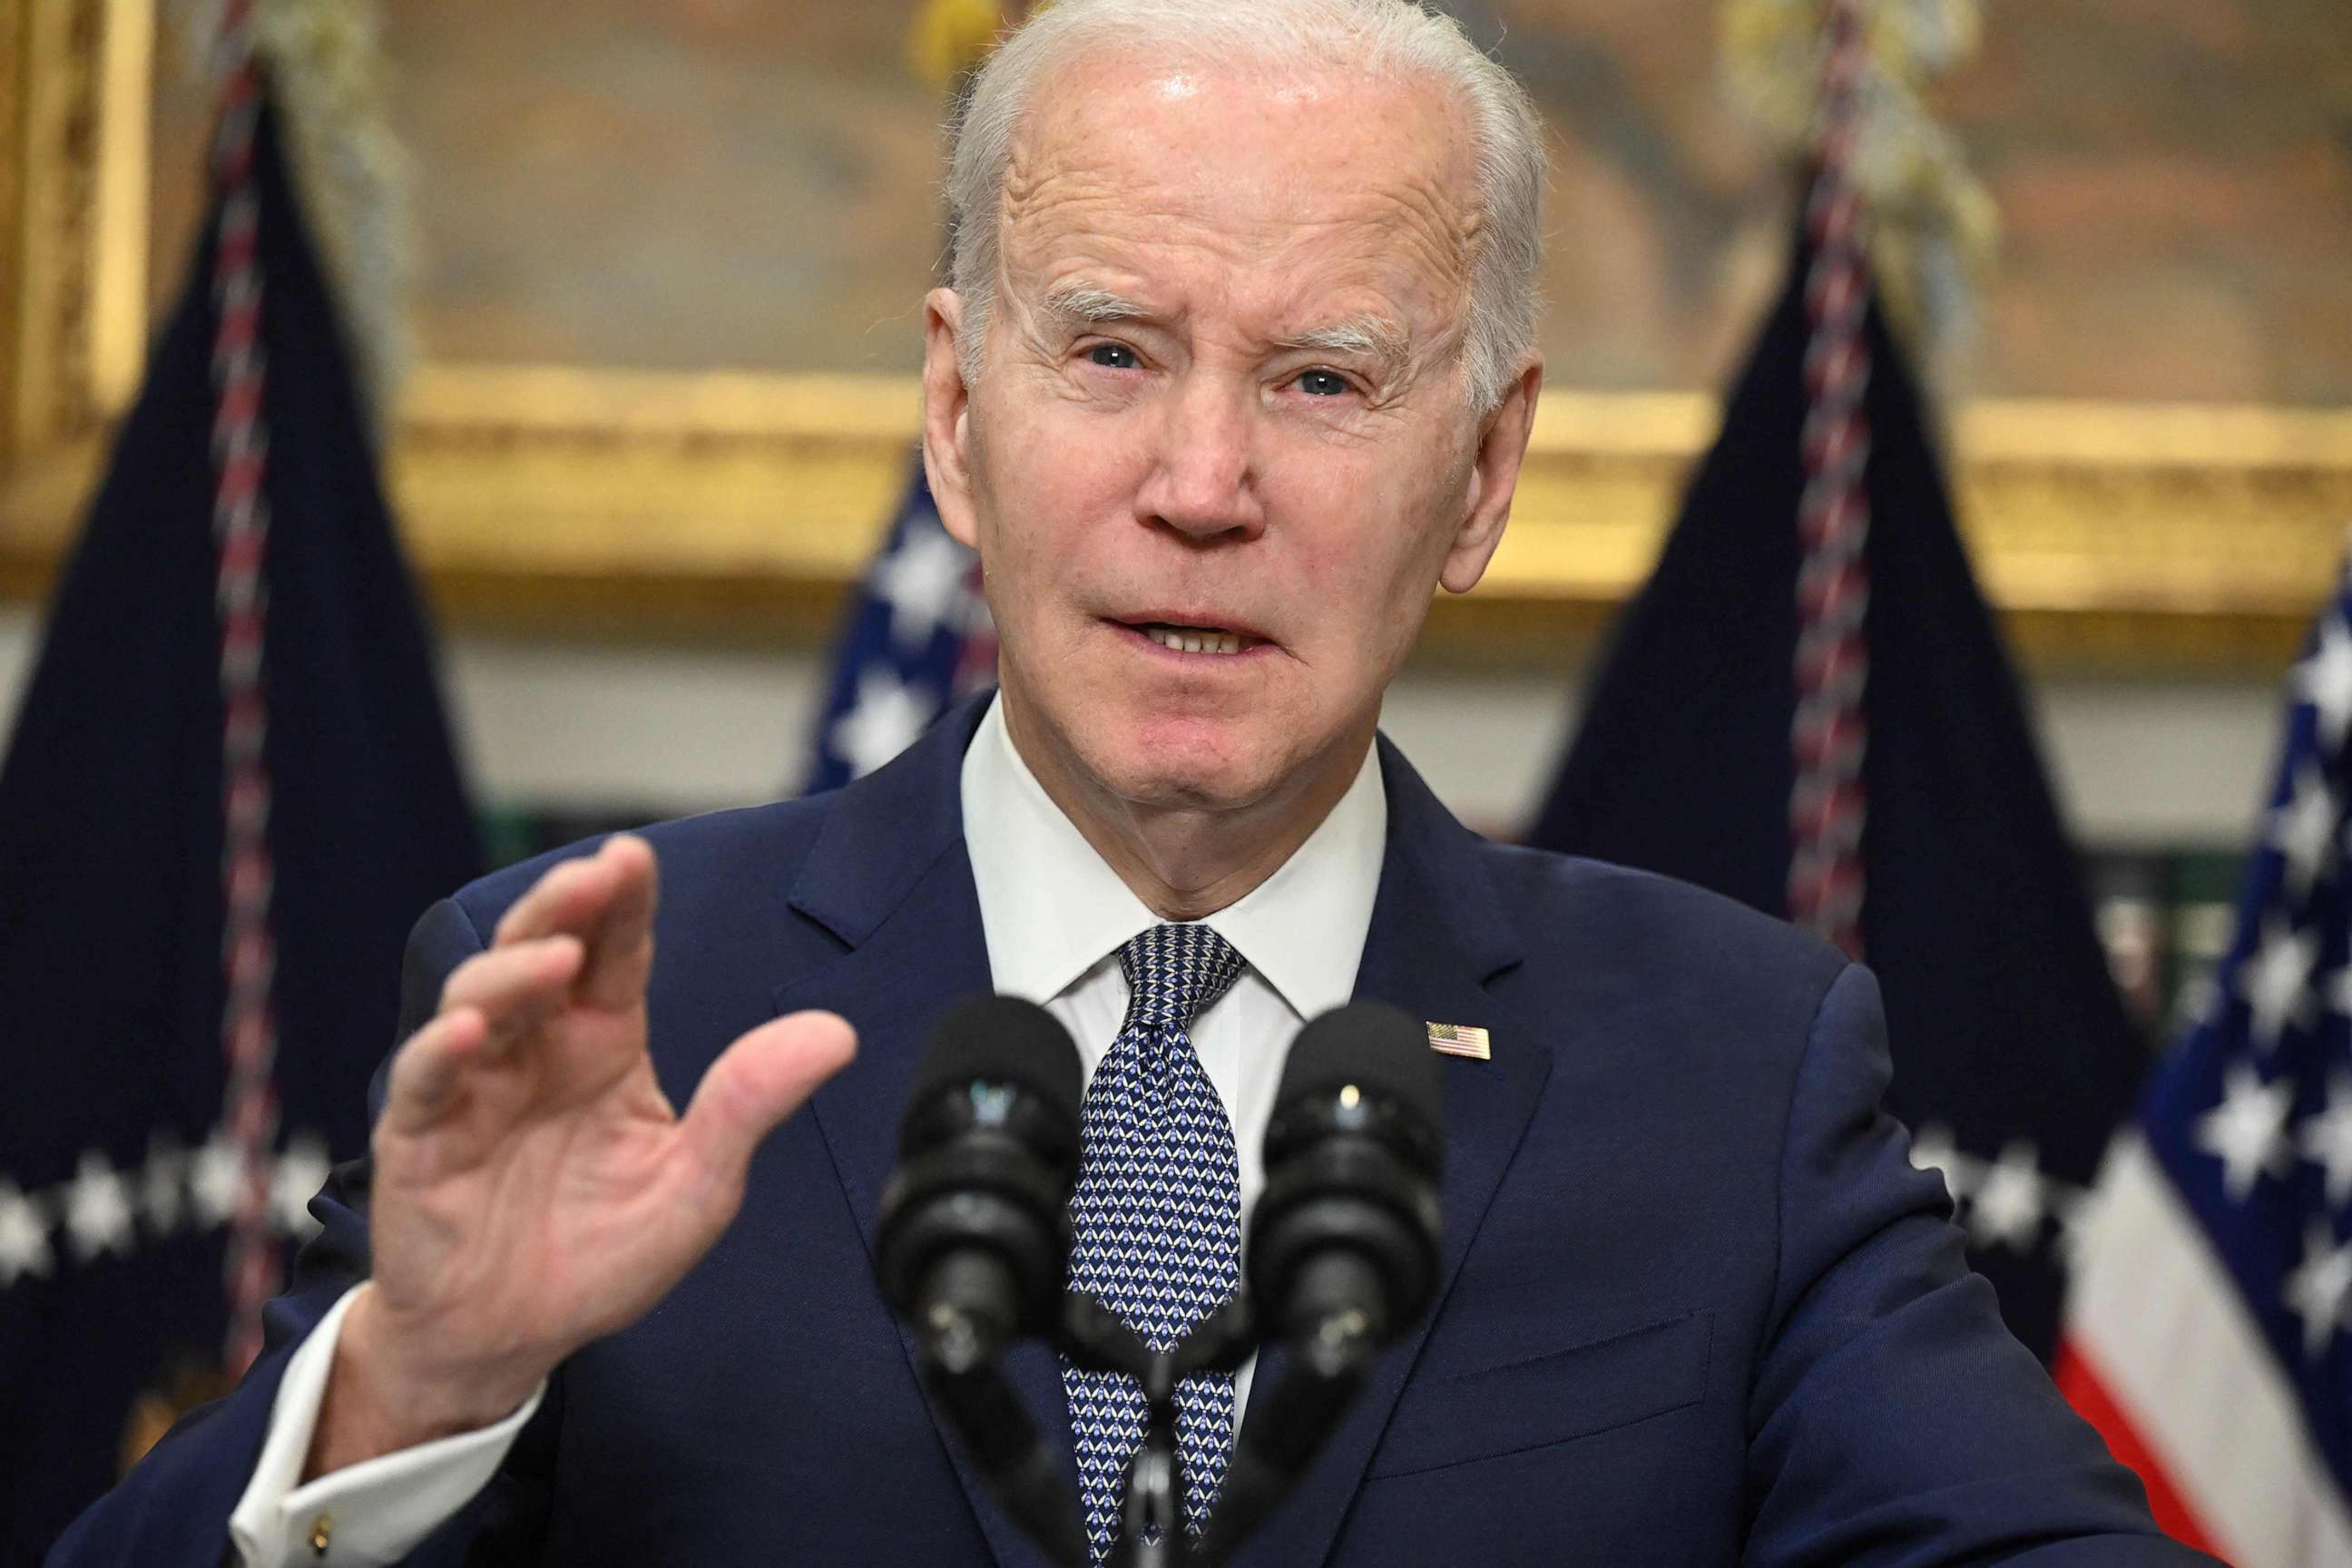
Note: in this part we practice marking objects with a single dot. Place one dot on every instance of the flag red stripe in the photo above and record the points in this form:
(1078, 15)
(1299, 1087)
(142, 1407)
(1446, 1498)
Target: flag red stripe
(2079, 1384)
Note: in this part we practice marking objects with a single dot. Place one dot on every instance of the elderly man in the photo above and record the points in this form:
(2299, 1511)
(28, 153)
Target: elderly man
(1238, 366)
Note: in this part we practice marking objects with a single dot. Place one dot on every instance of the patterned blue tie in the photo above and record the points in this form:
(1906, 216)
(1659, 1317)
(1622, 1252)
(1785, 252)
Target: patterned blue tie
(1156, 1220)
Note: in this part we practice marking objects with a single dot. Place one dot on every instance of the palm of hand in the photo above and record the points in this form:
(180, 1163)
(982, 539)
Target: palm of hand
(556, 1198)
(533, 1187)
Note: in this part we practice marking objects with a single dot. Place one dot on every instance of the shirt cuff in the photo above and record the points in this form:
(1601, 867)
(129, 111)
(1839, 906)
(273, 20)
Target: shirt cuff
(367, 1514)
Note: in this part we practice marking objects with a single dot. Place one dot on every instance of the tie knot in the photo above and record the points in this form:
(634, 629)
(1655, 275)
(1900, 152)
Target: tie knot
(1173, 971)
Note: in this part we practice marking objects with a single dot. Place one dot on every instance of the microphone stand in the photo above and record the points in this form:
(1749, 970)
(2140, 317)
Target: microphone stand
(963, 1367)
(1270, 1457)
(1095, 1339)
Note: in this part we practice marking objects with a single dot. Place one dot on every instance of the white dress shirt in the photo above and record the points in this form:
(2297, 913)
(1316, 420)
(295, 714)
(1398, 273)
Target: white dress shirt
(1054, 916)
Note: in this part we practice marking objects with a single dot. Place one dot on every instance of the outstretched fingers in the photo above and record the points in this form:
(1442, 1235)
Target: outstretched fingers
(569, 896)
(621, 944)
(516, 986)
(488, 1004)
(606, 900)
(429, 1068)
(758, 1081)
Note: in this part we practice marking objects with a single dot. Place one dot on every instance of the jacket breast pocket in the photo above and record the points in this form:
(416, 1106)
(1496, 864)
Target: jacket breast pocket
(1583, 1389)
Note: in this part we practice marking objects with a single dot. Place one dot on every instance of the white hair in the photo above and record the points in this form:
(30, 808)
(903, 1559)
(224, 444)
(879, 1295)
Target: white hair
(1384, 38)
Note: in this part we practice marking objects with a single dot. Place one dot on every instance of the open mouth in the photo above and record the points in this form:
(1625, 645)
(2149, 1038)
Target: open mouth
(1181, 638)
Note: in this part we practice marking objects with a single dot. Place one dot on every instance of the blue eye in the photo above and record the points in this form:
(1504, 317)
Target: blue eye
(1113, 357)
(1323, 384)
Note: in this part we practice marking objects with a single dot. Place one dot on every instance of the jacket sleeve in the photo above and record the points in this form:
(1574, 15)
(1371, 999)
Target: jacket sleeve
(173, 1506)
(1894, 1421)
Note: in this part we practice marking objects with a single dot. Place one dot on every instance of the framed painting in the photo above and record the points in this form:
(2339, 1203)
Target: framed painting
(671, 255)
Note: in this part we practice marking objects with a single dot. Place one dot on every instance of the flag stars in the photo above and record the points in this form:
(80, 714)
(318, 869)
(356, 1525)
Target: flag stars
(2320, 1286)
(98, 1213)
(2247, 1131)
(164, 1185)
(301, 1171)
(23, 1236)
(216, 1179)
(922, 580)
(2011, 1201)
(2277, 979)
(2004, 1201)
(2303, 829)
(1932, 1149)
(2325, 681)
(888, 716)
(99, 1209)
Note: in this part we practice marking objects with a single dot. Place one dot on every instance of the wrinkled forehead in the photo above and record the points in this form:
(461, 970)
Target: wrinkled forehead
(1259, 187)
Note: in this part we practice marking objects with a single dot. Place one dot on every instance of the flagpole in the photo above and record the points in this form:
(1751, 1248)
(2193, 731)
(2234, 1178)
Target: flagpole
(1828, 733)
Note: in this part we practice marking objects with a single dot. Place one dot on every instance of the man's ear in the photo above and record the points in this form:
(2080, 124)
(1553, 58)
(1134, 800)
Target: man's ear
(1494, 476)
(947, 417)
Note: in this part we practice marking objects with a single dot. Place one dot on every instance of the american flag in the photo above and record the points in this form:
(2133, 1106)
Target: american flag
(2209, 1331)
(915, 636)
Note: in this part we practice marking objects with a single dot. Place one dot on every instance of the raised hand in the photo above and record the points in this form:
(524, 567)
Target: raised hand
(533, 1188)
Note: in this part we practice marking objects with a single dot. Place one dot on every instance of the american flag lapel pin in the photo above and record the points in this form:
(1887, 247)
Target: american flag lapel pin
(1460, 1041)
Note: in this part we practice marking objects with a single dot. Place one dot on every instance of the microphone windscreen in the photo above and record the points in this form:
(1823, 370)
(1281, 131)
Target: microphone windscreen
(1002, 1039)
(1372, 1046)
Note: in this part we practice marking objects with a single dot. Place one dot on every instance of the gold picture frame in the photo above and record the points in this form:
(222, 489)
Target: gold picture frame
(2123, 538)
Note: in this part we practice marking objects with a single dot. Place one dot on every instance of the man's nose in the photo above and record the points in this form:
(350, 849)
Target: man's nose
(1204, 483)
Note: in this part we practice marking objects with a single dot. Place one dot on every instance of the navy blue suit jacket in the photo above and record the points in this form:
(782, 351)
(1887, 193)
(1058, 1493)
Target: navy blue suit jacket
(1696, 1307)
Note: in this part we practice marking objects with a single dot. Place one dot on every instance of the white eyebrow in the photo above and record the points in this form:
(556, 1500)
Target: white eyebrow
(1365, 338)
(1083, 304)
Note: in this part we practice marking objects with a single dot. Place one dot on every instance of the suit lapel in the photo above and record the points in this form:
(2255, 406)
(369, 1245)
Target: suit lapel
(1437, 935)
(890, 878)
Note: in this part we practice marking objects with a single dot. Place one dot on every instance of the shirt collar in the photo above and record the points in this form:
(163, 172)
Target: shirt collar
(1051, 909)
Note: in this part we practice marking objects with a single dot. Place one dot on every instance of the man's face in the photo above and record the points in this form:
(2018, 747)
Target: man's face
(1221, 407)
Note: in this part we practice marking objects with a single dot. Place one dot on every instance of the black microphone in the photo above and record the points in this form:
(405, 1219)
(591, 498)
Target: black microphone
(974, 1236)
(1343, 1244)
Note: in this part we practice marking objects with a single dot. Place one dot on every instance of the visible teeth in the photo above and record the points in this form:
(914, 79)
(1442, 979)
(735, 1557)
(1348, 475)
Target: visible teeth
(1186, 640)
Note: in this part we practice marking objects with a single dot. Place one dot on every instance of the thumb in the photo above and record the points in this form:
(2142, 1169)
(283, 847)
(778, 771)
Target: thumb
(758, 1081)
